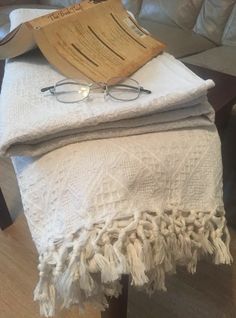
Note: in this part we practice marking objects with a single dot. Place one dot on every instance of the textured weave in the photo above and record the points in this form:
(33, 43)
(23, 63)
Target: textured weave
(137, 205)
(140, 205)
(32, 123)
(178, 100)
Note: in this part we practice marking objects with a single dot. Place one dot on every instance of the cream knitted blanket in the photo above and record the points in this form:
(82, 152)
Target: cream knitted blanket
(140, 205)
(97, 209)
(32, 123)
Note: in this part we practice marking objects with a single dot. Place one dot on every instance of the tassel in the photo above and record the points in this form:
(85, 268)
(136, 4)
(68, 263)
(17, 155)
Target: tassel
(46, 296)
(136, 266)
(108, 272)
(69, 283)
(146, 246)
(222, 255)
(113, 260)
(192, 265)
(86, 282)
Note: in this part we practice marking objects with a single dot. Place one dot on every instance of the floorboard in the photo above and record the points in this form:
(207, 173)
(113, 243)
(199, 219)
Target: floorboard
(18, 275)
(211, 293)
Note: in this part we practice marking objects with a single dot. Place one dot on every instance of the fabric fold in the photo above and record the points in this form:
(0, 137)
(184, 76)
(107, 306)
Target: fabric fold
(139, 205)
(33, 123)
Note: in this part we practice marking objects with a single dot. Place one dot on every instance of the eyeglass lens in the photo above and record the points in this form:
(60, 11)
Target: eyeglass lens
(125, 90)
(68, 91)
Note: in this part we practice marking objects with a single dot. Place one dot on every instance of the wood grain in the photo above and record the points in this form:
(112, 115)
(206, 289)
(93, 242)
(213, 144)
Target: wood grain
(5, 218)
(18, 275)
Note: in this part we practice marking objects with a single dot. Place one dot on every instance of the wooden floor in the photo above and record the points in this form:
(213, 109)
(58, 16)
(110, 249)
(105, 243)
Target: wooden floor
(18, 275)
(211, 293)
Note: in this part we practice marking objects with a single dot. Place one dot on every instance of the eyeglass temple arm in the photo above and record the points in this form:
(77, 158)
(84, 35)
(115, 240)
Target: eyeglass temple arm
(49, 88)
(147, 91)
(144, 90)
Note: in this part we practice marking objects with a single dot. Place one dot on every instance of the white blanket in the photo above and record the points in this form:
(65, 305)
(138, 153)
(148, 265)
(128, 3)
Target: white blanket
(32, 123)
(139, 205)
(178, 100)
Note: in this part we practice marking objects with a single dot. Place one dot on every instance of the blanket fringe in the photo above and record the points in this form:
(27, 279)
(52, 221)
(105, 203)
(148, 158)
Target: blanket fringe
(86, 266)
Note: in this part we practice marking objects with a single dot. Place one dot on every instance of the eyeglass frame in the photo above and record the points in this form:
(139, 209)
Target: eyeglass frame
(95, 85)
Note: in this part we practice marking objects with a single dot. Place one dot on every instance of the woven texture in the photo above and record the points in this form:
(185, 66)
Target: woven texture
(178, 100)
(139, 205)
(33, 123)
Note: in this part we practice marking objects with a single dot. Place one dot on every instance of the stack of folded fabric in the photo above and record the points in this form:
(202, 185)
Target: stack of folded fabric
(112, 188)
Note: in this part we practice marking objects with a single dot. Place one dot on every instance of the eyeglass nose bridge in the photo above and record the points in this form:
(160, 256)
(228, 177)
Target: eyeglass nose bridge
(100, 85)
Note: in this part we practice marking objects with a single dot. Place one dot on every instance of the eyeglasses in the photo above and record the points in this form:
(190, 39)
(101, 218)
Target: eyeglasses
(71, 91)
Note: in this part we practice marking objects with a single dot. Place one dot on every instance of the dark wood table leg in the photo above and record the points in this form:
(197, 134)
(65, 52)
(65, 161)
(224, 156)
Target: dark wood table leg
(2, 65)
(5, 218)
(118, 306)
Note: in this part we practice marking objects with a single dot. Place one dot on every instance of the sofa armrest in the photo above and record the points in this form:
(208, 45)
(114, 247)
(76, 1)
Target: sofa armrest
(4, 3)
(6, 10)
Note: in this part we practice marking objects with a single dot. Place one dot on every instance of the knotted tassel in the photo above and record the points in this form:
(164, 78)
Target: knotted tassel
(45, 291)
(137, 268)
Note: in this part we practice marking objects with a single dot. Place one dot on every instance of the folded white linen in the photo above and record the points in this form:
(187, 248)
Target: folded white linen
(32, 123)
(139, 205)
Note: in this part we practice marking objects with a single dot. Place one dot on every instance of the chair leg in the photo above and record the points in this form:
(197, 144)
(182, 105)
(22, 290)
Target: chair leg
(118, 306)
(5, 218)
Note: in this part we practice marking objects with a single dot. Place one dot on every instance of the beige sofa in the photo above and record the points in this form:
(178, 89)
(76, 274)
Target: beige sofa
(201, 32)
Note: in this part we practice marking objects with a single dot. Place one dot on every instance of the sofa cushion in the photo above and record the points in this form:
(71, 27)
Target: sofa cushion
(222, 59)
(133, 6)
(21, 15)
(182, 13)
(6, 10)
(212, 18)
(229, 36)
(59, 3)
(16, 2)
(179, 42)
